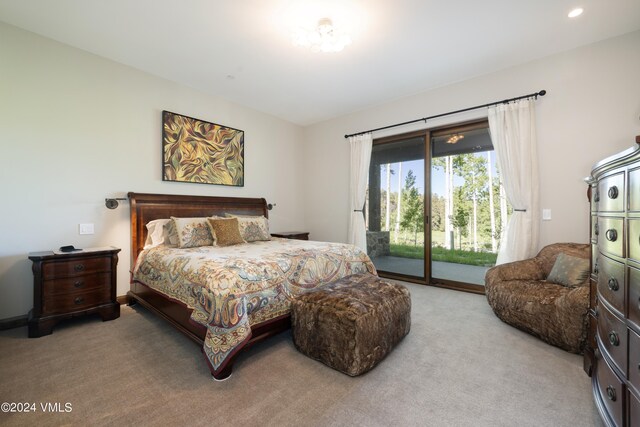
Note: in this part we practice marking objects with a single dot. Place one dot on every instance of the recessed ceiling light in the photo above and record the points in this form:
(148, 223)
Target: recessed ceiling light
(575, 12)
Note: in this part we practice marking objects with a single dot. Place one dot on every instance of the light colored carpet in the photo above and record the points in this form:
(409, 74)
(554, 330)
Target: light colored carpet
(459, 366)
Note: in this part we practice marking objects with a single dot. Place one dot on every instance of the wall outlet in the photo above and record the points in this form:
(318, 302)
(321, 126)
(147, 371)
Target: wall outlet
(546, 214)
(85, 228)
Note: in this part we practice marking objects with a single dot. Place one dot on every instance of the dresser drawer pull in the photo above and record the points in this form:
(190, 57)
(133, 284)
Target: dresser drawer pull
(613, 192)
(612, 235)
(78, 267)
(614, 340)
(596, 229)
(613, 284)
(80, 300)
(611, 393)
(78, 284)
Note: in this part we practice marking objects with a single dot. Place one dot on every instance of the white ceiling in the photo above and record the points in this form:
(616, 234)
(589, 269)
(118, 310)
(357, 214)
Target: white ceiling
(240, 49)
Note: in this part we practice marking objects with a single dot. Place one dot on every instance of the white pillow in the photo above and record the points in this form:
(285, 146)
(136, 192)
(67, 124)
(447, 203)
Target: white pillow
(159, 233)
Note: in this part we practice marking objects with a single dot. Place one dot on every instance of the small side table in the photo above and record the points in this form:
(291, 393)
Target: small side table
(296, 235)
(67, 285)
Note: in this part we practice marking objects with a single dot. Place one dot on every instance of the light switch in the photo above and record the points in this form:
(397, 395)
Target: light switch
(85, 228)
(546, 214)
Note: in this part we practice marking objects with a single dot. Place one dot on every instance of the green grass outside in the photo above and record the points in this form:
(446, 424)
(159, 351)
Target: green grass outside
(441, 254)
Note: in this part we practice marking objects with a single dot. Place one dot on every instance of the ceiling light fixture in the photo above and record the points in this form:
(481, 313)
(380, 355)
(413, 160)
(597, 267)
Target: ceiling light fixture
(575, 12)
(455, 138)
(324, 38)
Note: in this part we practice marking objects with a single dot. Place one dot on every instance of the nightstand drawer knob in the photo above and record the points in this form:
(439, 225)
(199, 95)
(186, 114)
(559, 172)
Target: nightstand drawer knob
(79, 300)
(611, 393)
(613, 192)
(78, 267)
(613, 339)
(78, 284)
(612, 235)
(613, 284)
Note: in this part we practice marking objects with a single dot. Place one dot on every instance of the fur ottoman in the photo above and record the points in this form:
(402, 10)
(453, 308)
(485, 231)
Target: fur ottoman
(352, 323)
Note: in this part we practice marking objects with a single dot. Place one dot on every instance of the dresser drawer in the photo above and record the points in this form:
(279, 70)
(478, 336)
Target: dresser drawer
(64, 303)
(634, 360)
(611, 236)
(75, 267)
(613, 336)
(594, 229)
(634, 190)
(611, 390)
(633, 301)
(76, 284)
(593, 198)
(634, 239)
(611, 193)
(634, 408)
(611, 284)
(593, 327)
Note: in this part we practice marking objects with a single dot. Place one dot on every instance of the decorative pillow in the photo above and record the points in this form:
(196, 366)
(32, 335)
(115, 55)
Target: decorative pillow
(226, 231)
(161, 232)
(252, 228)
(192, 232)
(569, 271)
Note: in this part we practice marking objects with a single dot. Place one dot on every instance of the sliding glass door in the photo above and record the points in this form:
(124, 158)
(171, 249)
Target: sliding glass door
(435, 207)
(395, 213)
(468, 207)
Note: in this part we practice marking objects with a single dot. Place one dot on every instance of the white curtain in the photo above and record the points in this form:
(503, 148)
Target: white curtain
(513, 133)
(360, 158)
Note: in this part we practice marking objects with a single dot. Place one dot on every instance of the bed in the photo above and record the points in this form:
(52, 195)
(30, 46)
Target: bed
(227, 299)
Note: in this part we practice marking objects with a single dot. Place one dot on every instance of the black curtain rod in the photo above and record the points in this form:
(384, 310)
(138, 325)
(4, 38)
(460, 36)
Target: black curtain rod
(424, 119)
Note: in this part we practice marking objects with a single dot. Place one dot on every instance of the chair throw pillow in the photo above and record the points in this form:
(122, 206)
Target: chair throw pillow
(569, 271)
(226, 231)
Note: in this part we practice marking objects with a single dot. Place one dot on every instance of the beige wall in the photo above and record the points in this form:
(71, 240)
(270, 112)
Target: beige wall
(591, 111)
(76, 128)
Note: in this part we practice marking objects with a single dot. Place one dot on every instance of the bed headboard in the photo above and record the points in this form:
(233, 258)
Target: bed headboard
(147, 207)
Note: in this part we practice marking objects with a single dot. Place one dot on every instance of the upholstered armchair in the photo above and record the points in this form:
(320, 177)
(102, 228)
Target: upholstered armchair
(520, 295)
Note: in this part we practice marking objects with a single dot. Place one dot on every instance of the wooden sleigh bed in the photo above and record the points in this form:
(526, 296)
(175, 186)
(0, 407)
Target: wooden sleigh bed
(148, 207)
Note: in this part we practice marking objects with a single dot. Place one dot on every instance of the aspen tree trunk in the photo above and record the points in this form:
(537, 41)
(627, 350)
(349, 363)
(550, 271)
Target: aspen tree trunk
(387, 219)
(395, 239)
(475, 217)
(448, 202)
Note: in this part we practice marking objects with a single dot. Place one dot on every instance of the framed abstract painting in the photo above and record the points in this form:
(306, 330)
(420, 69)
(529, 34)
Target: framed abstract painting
(201, 152)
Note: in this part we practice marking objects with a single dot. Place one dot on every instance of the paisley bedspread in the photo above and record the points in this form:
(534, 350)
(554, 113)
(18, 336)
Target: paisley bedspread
(231, 288)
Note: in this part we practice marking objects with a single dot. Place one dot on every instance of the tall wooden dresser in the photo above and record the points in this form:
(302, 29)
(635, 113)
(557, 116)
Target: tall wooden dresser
(612, 355)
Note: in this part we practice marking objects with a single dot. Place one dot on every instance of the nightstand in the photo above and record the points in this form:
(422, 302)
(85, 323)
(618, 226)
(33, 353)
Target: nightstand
(67, 285)
(297, 235)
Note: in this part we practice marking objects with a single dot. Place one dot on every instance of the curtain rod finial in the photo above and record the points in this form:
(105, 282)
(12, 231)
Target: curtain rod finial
(542, 92)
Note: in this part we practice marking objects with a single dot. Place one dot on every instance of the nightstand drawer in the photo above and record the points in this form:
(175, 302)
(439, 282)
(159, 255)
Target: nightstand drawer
(75, 301)
(75, 267)
(76, 284)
